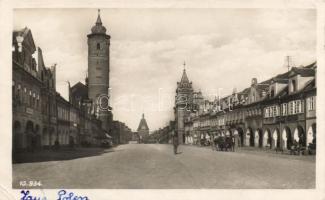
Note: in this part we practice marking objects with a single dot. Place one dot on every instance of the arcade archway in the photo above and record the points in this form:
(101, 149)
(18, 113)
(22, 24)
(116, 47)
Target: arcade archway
(299, 136)
(258, 135)
(311, 134)
(267, 138)
(276, 138)
(30, 138)
(17, 142)
(240, 136)
(250, 137)
(286, 138)
(256, 138)
(37, 136)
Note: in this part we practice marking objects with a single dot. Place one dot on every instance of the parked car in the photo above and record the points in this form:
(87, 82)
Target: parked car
(107, 144)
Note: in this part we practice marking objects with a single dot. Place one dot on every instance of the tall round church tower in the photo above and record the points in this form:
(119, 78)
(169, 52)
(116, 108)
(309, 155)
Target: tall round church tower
(98, 71)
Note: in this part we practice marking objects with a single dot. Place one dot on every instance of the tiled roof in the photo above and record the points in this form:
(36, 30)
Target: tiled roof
(310, 84)
(303, 71)
(312, 66)
(80, 89)
(79, 85)
(283, 92)
(279, 80)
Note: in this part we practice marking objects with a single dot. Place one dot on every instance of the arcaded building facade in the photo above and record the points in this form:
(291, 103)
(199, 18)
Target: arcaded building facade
(270, 114)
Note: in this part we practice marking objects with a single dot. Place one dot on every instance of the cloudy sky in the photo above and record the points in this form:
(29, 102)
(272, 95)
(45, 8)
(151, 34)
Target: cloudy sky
(223, 49)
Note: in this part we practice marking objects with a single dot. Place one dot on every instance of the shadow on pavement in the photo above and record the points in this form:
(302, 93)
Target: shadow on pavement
(61, 154)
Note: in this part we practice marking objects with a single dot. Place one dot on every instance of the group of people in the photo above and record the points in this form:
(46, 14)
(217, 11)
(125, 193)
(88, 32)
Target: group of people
(220, 143)
(223, 143)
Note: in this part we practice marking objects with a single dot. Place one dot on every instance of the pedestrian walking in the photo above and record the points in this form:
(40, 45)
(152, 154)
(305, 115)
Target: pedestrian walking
(213, 147)
(175, 143)
(216, 143)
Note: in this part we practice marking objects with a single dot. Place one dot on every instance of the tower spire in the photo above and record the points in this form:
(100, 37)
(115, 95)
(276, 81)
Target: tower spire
(99, 20)
(184, 78)
(98, 28)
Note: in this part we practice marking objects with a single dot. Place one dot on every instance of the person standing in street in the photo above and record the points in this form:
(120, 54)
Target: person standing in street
(175, 143)
(233, 143)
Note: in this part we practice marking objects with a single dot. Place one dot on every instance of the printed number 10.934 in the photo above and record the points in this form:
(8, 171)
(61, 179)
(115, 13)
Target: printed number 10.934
(30, 183)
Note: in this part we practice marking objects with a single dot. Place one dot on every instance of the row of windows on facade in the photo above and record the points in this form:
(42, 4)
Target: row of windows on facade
(73, 116)
(30, 98)
(234, 100)
(222, 107)
(63, 137)
(212, 122)
(26, 96)
(63, 113)
(218, 108)
(239, 115)
(291, 108)
(67, 114)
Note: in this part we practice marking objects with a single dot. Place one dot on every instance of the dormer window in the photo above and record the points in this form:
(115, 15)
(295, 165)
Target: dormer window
(253, 97)
(272, 93)
(293, 85)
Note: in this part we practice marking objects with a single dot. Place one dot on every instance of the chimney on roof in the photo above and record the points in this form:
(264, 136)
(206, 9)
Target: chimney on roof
(254, 81)
(86, 79)
(288, 62)
(69, 91)
(234, 91)
(53, 71)
(20, 40)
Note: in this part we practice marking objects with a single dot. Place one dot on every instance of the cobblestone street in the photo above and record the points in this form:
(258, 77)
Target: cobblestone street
(140, 166)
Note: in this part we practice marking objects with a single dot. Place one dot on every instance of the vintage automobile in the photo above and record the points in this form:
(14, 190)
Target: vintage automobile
(204, 142)
(107, 144)
(224, 143)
